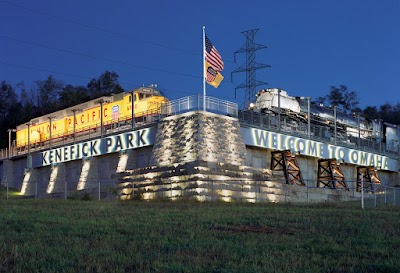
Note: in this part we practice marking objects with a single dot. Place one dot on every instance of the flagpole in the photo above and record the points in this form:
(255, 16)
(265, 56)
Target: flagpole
(204, 68)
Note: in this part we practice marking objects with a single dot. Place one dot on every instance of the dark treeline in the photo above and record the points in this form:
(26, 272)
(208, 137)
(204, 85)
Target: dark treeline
(347, 101)
(19, 104)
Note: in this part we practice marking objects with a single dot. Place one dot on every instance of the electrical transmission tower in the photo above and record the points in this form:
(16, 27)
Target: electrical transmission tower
(250, 67)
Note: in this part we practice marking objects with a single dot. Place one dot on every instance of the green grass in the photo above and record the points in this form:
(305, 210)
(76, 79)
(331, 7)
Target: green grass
(135, 236)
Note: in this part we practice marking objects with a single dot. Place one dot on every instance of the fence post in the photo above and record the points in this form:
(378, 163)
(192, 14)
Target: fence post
(362, 191)
(65, 190)
(99, 189)
(7, 185)
(255, 190)
(307, 191)
(133, 190)
(375, 198)
(212, 191)
(385, 196)
(394, 196)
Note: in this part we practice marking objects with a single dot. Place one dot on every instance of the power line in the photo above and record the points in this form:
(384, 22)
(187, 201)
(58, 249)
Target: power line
(78, 76)
(47, 71)
(121, 35)
(90, 78)
(95, 27)
(95, 57)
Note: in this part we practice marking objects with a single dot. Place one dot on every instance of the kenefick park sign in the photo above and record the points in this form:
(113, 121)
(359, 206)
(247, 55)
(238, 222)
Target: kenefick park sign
(96, 147)
(307, 147)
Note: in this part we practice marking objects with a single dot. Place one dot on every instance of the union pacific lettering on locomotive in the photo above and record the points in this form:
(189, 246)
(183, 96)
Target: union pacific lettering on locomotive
(88, 117)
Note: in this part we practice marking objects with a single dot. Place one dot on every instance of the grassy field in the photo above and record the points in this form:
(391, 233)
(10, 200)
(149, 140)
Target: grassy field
(134, 236)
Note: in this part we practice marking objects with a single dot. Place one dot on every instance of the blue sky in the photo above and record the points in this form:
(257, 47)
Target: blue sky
(311, 44)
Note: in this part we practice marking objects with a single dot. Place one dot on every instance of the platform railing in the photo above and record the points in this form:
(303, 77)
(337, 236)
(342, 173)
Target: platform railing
(196, 103)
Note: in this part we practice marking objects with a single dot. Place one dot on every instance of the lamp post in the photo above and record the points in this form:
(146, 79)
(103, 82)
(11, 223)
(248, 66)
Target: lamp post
(308, 116)
(9, 141)
(50, 118)
(398, 140)
(359, 130)
(133, 108)
(380, 134)
(29, 137)
(335, 116)
(101, 101)
(279, 109)
(74, 111)
(101, 118)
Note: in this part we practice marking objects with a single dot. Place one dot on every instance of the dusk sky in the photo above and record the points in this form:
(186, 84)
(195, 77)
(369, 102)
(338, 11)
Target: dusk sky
(311, 44)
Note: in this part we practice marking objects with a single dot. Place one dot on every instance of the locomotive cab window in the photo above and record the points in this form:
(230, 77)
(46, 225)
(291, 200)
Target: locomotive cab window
(143, 96)
(136, 97)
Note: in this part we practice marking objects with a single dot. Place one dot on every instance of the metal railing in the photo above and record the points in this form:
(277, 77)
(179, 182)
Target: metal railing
(369, 194)
(196, 103)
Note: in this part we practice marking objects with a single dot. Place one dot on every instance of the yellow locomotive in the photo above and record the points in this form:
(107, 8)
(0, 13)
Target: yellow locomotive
(107, 111)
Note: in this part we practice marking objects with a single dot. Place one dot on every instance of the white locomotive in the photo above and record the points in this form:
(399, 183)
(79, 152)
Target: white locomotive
(296, 110)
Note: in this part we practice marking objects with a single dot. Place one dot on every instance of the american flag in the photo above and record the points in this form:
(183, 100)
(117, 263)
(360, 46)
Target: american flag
(212, 56)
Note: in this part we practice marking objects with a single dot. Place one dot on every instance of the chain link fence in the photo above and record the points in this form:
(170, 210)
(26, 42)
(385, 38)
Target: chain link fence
(356, 193)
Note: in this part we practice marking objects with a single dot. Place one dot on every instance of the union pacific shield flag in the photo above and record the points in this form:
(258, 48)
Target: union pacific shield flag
(213, 64)
(115, 112)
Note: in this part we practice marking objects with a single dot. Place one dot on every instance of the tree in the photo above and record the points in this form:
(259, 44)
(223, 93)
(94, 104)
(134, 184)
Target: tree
(73, 95)
(9, 109)
(28, 106)
(335, 96)
(350, 100)
(343, 98)
(106, 84)
(321, 100)
(389, 113)
(48, 94)
(371, 112)
(8, 97)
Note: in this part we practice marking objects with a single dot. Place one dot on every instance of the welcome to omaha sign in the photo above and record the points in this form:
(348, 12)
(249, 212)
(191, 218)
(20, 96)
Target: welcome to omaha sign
(273, 140)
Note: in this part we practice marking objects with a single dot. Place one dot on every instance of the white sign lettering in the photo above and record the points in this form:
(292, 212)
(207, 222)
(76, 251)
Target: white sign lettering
(272, 140)
(110, 144)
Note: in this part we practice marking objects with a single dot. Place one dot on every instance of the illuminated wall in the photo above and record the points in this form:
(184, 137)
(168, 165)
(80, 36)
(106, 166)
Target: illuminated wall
(198, 136)
(205, 181)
